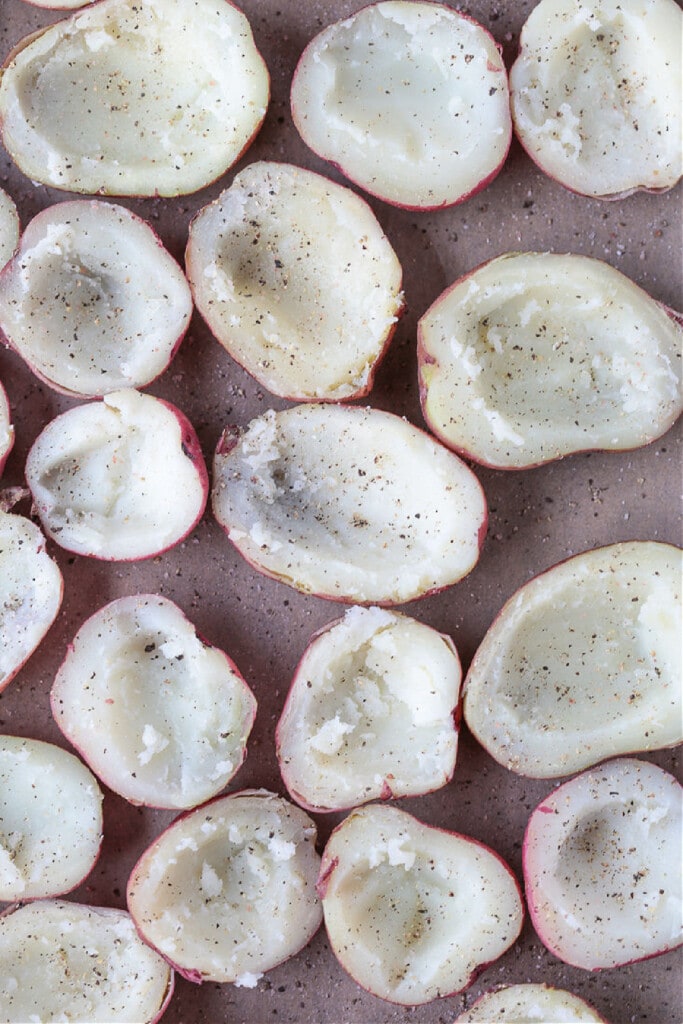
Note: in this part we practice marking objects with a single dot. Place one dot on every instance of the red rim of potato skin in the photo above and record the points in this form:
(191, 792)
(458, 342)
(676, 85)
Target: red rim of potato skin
(74, 12)
(329, 864)
(228, 441)
(542, 808)
(191, 448)
(58, 715)
(426, 208)
(193, 974)
(386, 793)
(45, 214)
(364, 389)
(7, 911)
(510, 600)
(425, 358)
(4, 403)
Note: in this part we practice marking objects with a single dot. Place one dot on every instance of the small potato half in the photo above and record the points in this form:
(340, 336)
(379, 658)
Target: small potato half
(297, 280)
(64, 961)
(534, 356)
(529, 1004)
(583, 663)
(351, 504)
(92, 301)
(413, 912)
(156, 97)
(371, 712)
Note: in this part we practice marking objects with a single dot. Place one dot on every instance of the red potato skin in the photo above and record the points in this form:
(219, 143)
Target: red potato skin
(386, 793)
(23, 43)
(329, 864)
(46, 215)
(510, 601)
(189, 973)
(192, 449)
(425, 358)
(534, 910)
(361, 392)
(5, 455)
(424, 207)
(59, 714)
(229, 439)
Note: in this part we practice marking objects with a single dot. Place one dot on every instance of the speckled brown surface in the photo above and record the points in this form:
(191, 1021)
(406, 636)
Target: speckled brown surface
(536, 519)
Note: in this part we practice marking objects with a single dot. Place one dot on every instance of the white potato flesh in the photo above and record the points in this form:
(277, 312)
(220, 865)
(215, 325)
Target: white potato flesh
(121, 478)
(50, 819)
(371, 712)
(92, 301)
(228, 891)
(352, 504)
(31, 589)
(529, 1004)
(64, 961)
(412, 911)
(9, 227)
(6, 429)
(158, 97)
(583, 663)
(596, 94)
(602, 865)
(297, 280)
(534, 356)
(410, 99)
(160, 716)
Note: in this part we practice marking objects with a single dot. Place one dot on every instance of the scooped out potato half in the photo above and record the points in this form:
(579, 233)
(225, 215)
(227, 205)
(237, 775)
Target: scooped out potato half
(583, 663)
(371, 712)
(596, 94)
(121, 478)
(228, 890)
(602, 865)
(159, 715)
(534, 356)
(297, 280)
(64, 961)
(529, 1004)
(409, 99)
(156, 97)
(351, 504)
(9, 227)
(414, 912)
(50, 819)
(6, 429)
(31, 590)
(92, 301)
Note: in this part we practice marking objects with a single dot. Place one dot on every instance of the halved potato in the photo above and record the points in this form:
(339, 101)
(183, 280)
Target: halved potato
(297, 280)
(6, 429)
(596, 94)
(92, 301)
(102, 476)
(31, 589)
(71, 962)
(159, 715)
(602, 865)
(409, 99)
(414, 912)
(228, 891)
(583, 663)
(9, 227)
(371, 712)
(527, 1004)
(50, 819)
(145, 98)
(534, 356)
(352, 504)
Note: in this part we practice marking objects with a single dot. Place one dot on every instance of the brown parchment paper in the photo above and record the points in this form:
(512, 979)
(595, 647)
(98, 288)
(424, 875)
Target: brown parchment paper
(537, 518)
